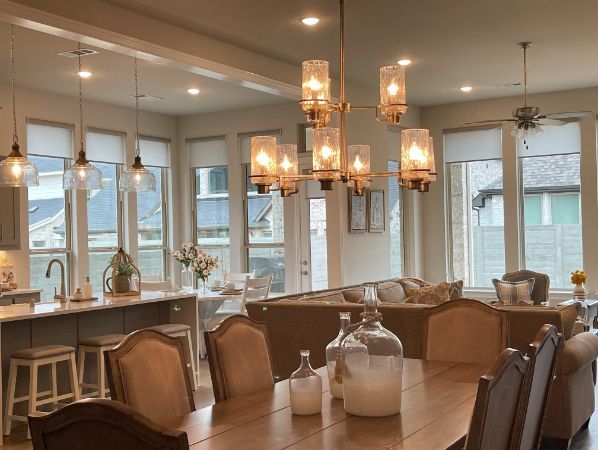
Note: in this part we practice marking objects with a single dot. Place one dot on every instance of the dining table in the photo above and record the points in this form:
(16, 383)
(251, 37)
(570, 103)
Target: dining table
(437, 402)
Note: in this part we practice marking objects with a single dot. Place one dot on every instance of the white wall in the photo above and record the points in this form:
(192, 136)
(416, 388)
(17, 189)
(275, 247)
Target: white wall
(438, 118)
(64, 109)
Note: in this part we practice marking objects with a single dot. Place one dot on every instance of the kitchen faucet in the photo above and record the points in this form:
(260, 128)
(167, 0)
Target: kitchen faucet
(62, 295)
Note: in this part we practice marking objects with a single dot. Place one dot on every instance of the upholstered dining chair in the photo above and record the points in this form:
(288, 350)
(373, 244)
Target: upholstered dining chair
(147, 371)
(255, 289)
(542, 354)
(496, 404)
(100, 424)
(481, 333)
(541, 283)
(239, 357)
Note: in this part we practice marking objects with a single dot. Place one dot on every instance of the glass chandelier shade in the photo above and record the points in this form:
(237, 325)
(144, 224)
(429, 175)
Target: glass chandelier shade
(431, 176)
(315, 84)
(82, 174)
(15, 169)
(392, 92)
(287, 166)
(358, 162)
(326, 156)
(263, 162)
(415, 155)
(526, 131)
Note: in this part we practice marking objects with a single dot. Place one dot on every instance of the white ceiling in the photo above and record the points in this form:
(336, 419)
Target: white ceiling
(40, 67)
(452, 43)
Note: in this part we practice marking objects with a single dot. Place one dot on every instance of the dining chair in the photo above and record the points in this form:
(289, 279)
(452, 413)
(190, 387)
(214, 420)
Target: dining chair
(147, 371)
(481, 333)
(239, 357)
(100, 424)
(542, 354)
(541, 283)
(255, 289)
(238, 278)
(496, 404)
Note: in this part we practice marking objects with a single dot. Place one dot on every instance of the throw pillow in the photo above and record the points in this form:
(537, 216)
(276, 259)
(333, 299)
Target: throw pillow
(456, 290)
(391, 292)
(434, 294)
(353, 295)
(512, 293)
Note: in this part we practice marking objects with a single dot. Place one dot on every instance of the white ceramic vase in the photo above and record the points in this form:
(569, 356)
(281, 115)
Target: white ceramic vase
(579, 292)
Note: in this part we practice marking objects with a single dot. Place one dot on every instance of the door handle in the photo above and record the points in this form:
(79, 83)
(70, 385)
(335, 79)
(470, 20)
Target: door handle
(304, 272)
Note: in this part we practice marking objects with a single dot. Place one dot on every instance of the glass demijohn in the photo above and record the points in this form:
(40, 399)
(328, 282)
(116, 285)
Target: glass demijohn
(372, 365)
(305, 387)
(333, 351)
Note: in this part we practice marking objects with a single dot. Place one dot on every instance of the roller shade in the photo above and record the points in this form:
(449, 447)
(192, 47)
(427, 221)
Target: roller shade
(106, 147)
(556, 140)
(475, 145)
(154, 152)
(207, 152)
(245, 143)
(49, 140)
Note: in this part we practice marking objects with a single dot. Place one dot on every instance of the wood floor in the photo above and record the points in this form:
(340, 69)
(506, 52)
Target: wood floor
(586, 440)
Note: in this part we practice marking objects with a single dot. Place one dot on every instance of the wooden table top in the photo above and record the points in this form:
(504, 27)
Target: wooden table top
(438, 399)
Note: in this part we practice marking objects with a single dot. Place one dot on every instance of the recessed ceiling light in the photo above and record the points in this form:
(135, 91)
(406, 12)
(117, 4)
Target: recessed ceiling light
(85, 74)
(404, 62)
(310, 21)
(466, 88)
(193, 91)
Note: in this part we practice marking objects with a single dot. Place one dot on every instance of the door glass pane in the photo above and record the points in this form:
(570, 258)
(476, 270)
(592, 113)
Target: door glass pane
(554, 245)
(102, 210)
(477, 221)
(266, 261)
(149, 213)
(396, 233)
(532, 207)
(317, 244)
(151, 263)
(38, 264)
(265, 218)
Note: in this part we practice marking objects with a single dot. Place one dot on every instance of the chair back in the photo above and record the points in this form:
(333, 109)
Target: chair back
(148, 372)
(541, 283)
(464, 330)
(542, 354)
(100, 424)
(255, 289)
(238, 278)
(495, 409)
(155, 286)
(239, 357)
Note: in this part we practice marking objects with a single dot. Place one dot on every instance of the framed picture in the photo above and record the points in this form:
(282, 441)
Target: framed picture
(357, 212)
(376, 213)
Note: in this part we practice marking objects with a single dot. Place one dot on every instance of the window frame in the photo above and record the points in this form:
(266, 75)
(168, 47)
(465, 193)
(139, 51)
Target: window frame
(402, 219)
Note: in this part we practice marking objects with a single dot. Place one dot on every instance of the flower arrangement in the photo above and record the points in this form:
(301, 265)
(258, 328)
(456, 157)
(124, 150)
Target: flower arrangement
(579, 277)
(203, 264)
(186, 254)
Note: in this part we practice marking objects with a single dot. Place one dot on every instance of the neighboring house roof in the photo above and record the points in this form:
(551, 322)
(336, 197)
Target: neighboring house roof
(560, 173)
(42, 210)
(214, 211)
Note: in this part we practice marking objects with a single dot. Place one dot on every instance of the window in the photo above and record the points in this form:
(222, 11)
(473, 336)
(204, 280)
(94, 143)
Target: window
(550, 170)
(476, 212)
(104, 207)
(396, 224)
(264, 224)
(152, 212)
(210, 199)
(50, 147)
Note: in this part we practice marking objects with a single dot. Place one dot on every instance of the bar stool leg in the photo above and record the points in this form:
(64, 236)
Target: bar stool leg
(10, 396)
(101, 374)
(32, 391)
(192, 359)
(81, 367)
(74, 379)
(54, 385)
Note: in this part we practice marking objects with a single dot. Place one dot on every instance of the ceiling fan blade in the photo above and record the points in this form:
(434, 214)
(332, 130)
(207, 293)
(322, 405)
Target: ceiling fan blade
(543, 120)
(481, 122)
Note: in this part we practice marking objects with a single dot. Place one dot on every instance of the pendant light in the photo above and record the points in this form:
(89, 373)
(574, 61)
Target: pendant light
(137, 178)
(15, 169)
(82, 174)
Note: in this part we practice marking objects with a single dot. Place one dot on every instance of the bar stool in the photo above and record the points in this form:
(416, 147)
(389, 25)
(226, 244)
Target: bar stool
(184, 331)
(96, 345)
(34, 358)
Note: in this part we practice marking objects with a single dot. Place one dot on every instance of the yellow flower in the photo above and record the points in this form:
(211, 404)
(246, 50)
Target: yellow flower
(579, 277)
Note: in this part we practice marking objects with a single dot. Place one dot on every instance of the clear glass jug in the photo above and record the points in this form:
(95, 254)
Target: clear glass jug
(332, 353)
(305, 386)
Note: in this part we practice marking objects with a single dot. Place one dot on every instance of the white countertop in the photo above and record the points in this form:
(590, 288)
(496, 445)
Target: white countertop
(24, 311)
(20, 292)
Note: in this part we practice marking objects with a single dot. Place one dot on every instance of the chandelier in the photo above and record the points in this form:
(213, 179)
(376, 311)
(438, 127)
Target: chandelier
(275, 167)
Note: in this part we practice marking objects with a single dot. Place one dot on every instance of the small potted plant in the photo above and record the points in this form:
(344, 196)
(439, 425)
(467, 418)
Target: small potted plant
(122, 270)
(578, 278)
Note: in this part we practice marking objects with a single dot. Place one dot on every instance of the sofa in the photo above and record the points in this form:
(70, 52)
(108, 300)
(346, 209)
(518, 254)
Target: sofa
(311, 320)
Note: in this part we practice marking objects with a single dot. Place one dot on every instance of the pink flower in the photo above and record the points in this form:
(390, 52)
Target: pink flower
(205, 272)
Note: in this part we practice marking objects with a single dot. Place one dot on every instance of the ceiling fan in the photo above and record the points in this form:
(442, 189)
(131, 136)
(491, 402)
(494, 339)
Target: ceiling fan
(527, 119)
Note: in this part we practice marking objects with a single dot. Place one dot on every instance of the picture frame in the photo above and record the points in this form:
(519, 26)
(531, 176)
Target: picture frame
(376, 211)
(357, 212)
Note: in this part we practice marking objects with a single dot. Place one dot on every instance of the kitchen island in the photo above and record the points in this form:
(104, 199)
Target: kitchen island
(29, 325)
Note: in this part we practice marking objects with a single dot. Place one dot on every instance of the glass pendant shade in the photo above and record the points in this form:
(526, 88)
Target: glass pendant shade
(326, 156)
(287, 166)
(415, 156)
(392, 92)
(358, 159)
(431, 176)
(17, 171)
(82, 176)
(263, 162)
(137, 178)
(315, 84)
